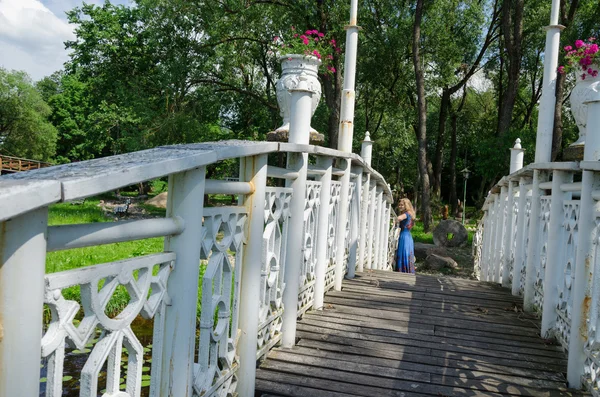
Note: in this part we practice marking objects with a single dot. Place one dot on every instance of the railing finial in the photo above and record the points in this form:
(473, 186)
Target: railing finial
(516, 156)
(366, 151)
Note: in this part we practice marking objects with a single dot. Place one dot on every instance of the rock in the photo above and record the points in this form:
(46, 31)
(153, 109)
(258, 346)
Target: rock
(450, 233)
(438, 262)
(160, 200)
(282, 136)
(422, 251)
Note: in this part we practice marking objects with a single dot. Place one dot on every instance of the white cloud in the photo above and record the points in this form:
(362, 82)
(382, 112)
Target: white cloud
(32, 37)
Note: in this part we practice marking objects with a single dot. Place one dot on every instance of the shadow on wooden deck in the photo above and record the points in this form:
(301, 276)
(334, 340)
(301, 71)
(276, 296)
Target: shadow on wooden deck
(395, 335)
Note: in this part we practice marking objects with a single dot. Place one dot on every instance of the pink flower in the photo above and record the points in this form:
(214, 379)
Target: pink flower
(331, 69)
(579, 44)
(592, 49)
(316, 39)
(308, 32)
(293, 28)
(316, 53)
(276, 38)
(304, 39)
(295, 35)
(338, 50)
(586, 61)
(595, 73)
(332, 42)
(321, 35)
(329, 56)
(583, 76)
(590, 71)
(592, 39)
(315, 32)
(568, 48)
(561, 70)
(289, 58)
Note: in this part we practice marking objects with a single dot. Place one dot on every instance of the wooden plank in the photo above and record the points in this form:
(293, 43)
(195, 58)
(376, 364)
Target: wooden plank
(425, 328)
(447, 322)
(431, 360)
(482, 316)
(364, 385)
(401, 363)
(487, 382)
(327, 325)
(485, 350)
(269, 382)
(455, 355)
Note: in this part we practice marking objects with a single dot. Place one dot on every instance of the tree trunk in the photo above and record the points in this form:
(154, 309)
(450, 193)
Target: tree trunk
(512, 23)
(333, 98)
(422, 123)
(439, 147)
(453, 153)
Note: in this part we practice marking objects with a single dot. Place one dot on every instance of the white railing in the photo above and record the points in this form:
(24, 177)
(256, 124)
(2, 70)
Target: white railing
(247, 249)
(539, 236)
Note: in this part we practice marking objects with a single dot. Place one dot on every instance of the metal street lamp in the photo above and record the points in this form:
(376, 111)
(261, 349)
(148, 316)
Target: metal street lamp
(466, 174)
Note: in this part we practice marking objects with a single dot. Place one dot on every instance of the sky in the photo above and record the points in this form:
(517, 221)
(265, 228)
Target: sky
(33, 32)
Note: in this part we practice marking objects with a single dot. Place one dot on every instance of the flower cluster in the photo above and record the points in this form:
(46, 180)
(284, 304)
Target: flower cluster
(583, 57)
(309, 43)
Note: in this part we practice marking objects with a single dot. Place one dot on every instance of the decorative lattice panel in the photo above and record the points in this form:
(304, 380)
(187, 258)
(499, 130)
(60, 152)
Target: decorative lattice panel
(334, 204)
(523, 276)
(540, 266)
(306, 289)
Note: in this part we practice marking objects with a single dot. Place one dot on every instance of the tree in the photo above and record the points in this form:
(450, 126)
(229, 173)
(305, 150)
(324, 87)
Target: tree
(24, 128)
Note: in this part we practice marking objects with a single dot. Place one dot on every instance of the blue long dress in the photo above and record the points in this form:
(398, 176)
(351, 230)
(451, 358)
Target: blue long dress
(406, 247)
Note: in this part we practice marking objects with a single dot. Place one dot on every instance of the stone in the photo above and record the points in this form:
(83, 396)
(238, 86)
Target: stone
(438, 262)
(282, 136)
(450, 233)
(160, 200)
(422, 251)
(573, 153)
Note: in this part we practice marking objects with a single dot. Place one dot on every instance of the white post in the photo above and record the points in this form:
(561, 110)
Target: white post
(371, 232)
(365, 153)
(494, 226)
(533, 250)
(299, 133)
(22, 269)
(386, 238)
(521, 237)
(322, 231)
(498, 247)
(543, 147)
(377, 242)
(384, 227)
(554, 261)
(517, 153)
(354, 223)
(186, 200)
(253, 170)
(584, 267)
(346, 132)
(487, 231)
(508, 235)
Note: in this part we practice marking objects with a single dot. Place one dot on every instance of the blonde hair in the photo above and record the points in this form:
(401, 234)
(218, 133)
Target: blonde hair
(404, 205)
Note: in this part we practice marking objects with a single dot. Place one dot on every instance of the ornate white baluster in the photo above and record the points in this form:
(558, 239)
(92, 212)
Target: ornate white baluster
(508, 236)
(378, 222)
(521, 236)
(554, 261)
(186, 200)
(370, 234)
(323, 231)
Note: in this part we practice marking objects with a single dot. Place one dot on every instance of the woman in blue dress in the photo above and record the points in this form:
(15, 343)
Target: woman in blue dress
(406, 246)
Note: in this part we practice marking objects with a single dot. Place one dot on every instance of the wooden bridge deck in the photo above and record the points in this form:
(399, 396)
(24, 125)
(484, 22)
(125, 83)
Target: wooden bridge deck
(393, 335)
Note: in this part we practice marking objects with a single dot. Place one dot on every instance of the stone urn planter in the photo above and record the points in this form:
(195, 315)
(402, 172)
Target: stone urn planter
(292, 66)
(584, 91)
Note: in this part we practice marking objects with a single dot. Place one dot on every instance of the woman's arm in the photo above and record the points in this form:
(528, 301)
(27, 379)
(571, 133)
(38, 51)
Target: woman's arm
(401, 218)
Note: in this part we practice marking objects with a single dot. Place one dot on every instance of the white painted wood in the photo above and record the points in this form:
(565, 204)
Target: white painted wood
(371, 232)
(501, 228)
(325, 163)
(88, 234)
(175, 348)
(364, 213)
(227, 187)
(18, 197)
(555, 261)
(297, 162)
(377, 236)
(571, 187)
(508, 235)
(533, 250)
(493, 250)
(282, 173)
(22, 268)
(254, 172)
(341, 226)
(546, 186)
(521, 237)
(354, 222)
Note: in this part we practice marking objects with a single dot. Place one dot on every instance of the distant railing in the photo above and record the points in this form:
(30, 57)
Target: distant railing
(539, 236)
(9, 164)
(268, 259)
